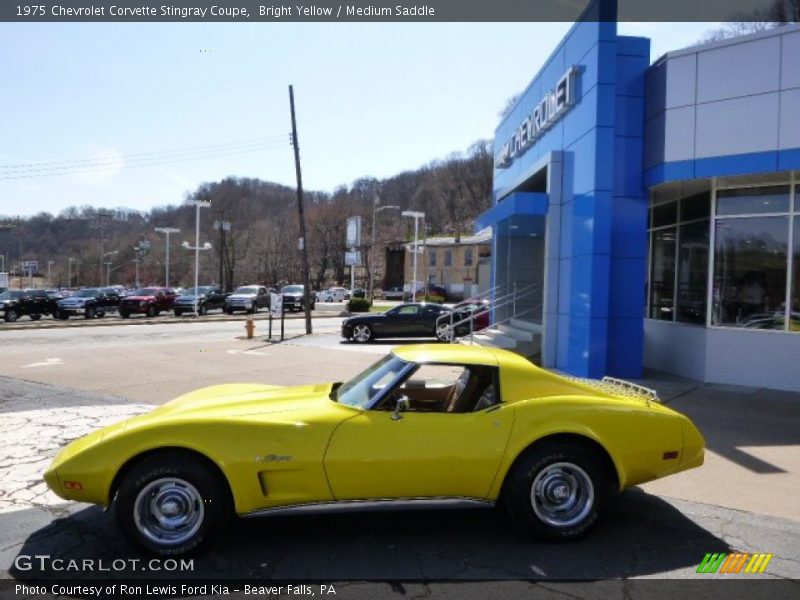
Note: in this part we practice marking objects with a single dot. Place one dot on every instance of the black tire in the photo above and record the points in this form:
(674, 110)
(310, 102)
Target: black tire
(62, 316)
(36, 317)
(253, 310)
(10, 316)
(124, 314)
(202, 310)
(362, 333)
(443, 332)
(556, 490)
(199, 491)
(151, 311)
(177, 313)
(100, 315)
(228, 311)
(90, 313)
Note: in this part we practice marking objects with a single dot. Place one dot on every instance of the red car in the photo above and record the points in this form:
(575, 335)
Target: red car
(478, 308)
(147, 301)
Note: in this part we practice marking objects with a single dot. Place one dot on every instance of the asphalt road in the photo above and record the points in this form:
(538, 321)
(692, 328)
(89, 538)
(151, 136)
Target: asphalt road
(56, 384)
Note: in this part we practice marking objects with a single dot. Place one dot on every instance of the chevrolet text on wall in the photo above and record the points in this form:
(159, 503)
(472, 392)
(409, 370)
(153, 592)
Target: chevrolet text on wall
(547, 111)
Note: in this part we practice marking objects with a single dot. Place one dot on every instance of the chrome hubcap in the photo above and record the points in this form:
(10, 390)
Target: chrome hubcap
(169, 511)
(361, 333)
(444, 332)
(562, 494)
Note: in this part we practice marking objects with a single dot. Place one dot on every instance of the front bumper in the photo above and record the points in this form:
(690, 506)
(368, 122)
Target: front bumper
(347, 331)
(72, 310)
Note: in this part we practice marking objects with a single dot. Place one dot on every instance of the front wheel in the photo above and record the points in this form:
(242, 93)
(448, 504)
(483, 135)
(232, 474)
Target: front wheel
(10, 316)
(362, 333)
(124, 314)
(90, 313)
(171, 504)
(36, 317)
(151, 311)
(556, 490)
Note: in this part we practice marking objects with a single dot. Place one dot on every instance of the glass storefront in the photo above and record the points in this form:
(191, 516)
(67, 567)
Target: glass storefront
(755, 257)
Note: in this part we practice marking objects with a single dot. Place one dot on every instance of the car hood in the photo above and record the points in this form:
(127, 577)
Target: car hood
(189, 298)
(140, 298)
(75, 300)
(241, 296)
(261, 402)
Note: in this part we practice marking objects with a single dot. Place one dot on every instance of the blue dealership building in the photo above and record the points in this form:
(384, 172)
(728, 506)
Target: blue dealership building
(647, 214)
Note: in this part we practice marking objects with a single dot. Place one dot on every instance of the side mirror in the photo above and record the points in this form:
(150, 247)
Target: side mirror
(403, 404)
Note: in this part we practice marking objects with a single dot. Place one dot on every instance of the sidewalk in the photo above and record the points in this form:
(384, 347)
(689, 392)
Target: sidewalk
(753, 446)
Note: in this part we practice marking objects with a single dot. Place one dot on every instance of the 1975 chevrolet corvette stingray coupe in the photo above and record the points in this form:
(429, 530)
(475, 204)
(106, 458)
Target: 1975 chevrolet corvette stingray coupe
(426, 422)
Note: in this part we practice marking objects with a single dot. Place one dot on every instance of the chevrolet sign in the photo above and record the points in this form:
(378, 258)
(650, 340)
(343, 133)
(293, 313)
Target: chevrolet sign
(547, 111)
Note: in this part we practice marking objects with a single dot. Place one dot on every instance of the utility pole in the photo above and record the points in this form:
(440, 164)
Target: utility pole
(222, 226)
(100, 217)
(306, 273)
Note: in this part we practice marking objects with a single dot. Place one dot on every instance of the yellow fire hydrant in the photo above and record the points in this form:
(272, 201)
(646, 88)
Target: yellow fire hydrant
(250, 327)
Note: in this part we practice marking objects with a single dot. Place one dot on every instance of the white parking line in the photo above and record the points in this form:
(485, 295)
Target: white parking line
(48, 362)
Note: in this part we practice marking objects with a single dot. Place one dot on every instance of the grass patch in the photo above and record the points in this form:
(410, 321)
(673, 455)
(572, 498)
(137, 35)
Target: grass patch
(379, 308)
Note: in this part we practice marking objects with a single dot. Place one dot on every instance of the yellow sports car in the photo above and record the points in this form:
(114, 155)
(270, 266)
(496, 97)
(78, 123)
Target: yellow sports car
(426, 422)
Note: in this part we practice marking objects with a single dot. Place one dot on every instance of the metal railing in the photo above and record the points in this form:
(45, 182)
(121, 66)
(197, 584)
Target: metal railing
(508, 299)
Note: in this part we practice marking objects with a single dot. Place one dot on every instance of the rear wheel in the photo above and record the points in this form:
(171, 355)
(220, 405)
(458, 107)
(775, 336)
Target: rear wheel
(444, 333)
(62, 316)
(124, 314)
(362, 333)
(151, 311)
(90, 313)
(201, 310)
(556, 490)
(36, 317)
(171, 504)
(178, 313)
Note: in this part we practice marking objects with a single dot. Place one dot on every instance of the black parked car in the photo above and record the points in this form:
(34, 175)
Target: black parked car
(405, 320)
(293, 298)
(16, 303)
(208, 298)
(89, 303)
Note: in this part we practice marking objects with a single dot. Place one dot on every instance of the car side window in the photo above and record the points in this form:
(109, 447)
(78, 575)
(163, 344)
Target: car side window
(448, 388)
(408, 310)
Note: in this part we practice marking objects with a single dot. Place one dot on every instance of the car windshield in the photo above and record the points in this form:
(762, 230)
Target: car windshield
(10, 295)
(246, 290)
(363, 388)
(87, 293)
(292, 289)
(203, 289)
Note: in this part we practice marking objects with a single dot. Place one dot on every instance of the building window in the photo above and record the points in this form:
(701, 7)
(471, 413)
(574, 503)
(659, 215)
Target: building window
(679, 241)
(751, 257)
(755, 254)
(467, 257)
(448, 258)
(432, 258)
(662, 275)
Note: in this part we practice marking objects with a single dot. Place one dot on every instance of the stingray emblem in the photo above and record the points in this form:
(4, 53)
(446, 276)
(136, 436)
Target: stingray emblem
(273, 458)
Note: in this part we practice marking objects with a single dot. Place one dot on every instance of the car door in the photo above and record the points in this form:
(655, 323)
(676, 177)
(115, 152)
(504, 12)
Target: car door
(405, 322)
(420, 455)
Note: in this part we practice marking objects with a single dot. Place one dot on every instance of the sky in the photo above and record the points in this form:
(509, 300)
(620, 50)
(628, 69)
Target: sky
(137, 115)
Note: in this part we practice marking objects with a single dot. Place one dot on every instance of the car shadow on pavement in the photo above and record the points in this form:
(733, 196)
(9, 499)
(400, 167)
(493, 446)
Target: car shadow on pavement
(639, 534)
(734, 418)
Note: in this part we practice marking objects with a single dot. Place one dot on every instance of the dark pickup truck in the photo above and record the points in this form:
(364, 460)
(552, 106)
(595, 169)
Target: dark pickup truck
(208, 298)
(88, 303)
(32, 303)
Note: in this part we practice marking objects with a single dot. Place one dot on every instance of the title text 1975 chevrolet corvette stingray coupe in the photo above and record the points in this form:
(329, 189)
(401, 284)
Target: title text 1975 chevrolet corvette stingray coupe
(424, 422)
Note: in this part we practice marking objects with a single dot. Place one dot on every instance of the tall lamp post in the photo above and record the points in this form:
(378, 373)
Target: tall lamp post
(207, 246)
(416, 215)
(49, 280)
(375, 210)
(167, 231)
(108, 265)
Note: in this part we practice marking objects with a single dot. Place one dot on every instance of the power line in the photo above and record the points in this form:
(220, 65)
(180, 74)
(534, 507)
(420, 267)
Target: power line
(140, 162)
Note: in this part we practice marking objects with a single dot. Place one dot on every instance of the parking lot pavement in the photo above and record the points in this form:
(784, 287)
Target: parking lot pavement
(642, 535)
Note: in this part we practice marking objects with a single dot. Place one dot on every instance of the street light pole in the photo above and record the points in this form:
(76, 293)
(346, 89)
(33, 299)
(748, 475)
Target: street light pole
(416, 215)
(375, 211)
(108, 265)
(207, 246)
(167, 231)
(49, 280)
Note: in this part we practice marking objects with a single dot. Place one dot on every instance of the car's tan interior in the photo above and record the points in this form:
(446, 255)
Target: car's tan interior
(472, 389)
